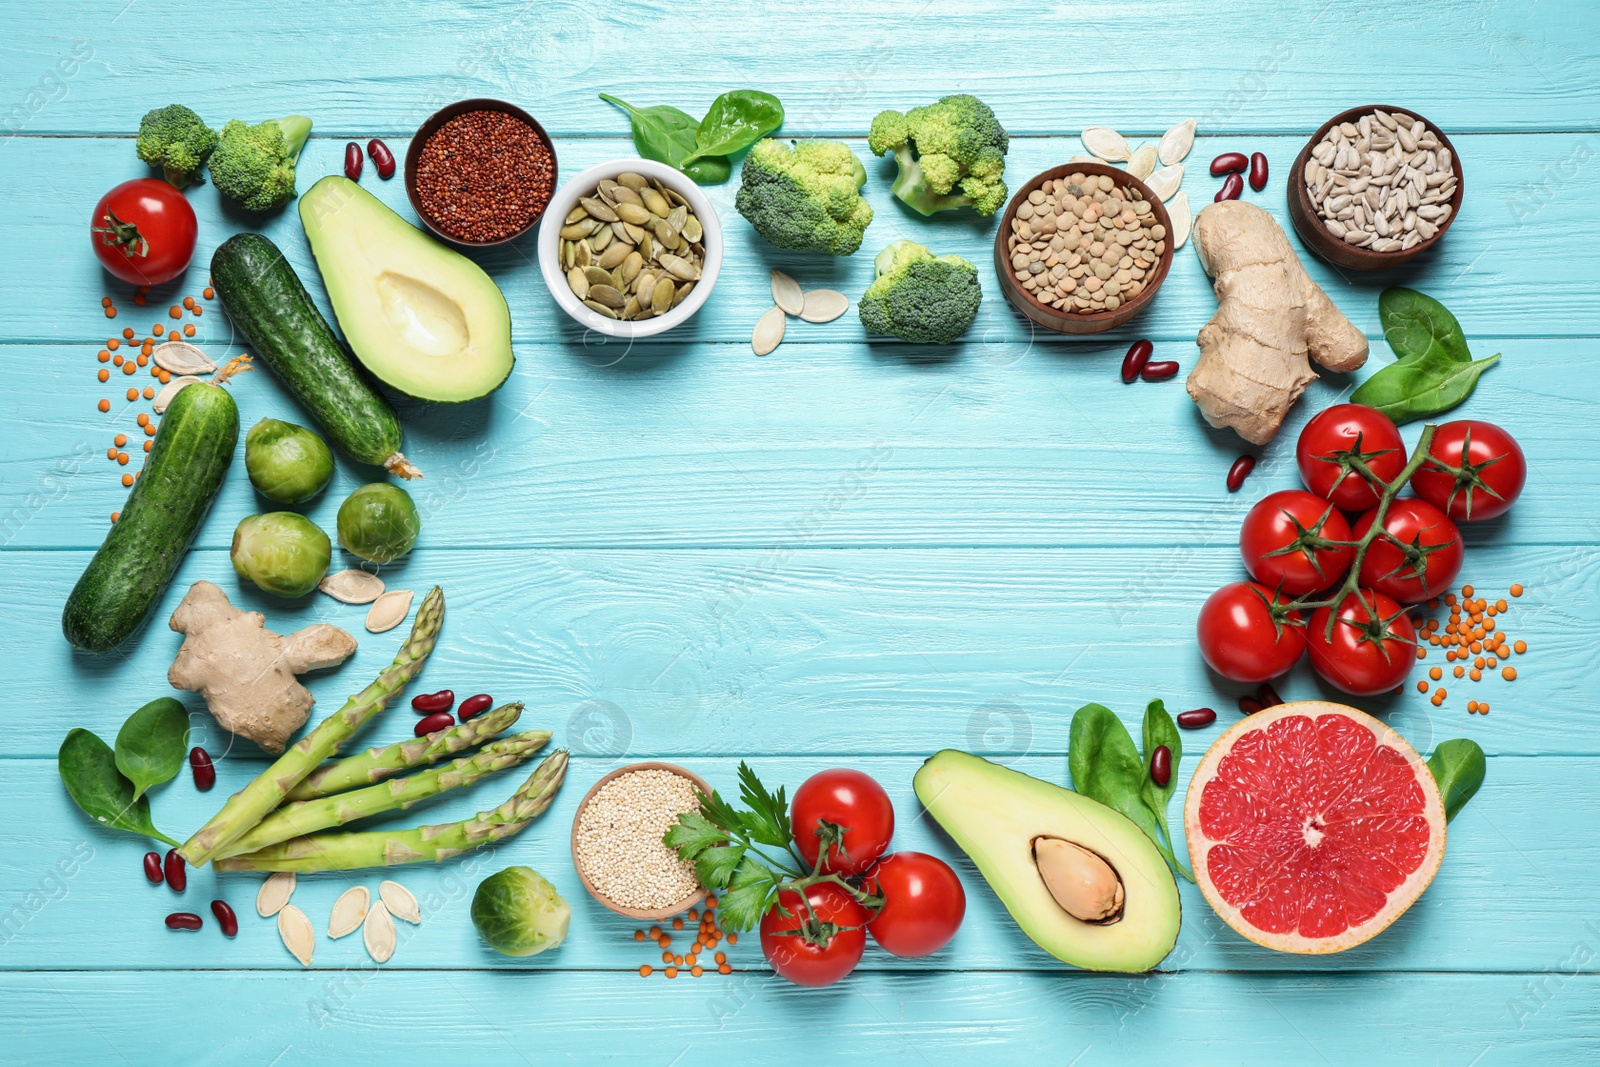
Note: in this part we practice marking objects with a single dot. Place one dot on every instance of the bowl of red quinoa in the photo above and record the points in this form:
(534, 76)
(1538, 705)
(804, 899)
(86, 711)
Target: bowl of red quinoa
(616, 840)
(480, 172)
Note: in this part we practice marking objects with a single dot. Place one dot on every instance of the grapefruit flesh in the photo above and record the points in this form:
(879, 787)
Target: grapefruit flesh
(1312, 826)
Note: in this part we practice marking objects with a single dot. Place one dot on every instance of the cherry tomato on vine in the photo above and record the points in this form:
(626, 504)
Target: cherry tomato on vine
(923, 904)
(1291, 542)
(1475, 470)
(1240, 638)
(819, 941)
(846, 799)
(1334, 437)
(1417, 556)
(1373, 646)
(144, 231)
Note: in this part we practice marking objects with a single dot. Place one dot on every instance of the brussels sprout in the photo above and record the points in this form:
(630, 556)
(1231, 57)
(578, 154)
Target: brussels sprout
(378, 522)
(519, 913)
(282, 552)
(288, 464)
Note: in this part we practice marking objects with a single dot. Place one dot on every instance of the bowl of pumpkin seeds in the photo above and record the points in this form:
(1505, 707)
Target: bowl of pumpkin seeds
(630, 248)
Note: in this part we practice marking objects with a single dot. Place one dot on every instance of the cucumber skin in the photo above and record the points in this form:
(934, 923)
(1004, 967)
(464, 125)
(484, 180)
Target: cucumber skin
(264, 297)
(125, 580)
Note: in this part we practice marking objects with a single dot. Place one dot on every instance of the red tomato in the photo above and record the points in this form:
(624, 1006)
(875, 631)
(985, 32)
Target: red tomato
(1334, 437)
(144, 231)
(1373, 645)
(923, 904)
(1241, 640)
(818, 944)
(1417, 556)
(1288, 542)
(1474, 470)
(852, 802)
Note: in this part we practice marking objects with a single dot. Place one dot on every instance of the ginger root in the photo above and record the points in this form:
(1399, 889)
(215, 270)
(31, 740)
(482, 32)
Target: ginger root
(245, 671)
(1270, 317)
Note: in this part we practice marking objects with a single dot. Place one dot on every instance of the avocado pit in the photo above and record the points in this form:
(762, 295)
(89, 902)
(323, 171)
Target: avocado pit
(1081, 881)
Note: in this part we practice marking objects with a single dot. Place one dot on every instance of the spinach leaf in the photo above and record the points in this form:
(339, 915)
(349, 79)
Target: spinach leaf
(151, 745)
(1159, 729)
(1106, 767)
(1458, 766)
(1415, 323)
(1433, 371)
(667, 135)
(89, 771)
(737, 120)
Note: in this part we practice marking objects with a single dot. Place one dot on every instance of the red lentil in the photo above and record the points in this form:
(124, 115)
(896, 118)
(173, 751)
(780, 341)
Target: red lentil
(484, 176)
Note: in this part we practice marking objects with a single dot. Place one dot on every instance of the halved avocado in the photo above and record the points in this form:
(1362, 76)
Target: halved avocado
(421, 317)
(1013, 825)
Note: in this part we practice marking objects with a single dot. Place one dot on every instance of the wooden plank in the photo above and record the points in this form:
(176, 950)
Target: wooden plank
(834, 64)
(73, 897)
(1527, 205)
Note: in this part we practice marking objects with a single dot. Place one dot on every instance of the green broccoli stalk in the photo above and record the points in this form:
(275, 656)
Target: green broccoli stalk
(807, 198)
(177, 140)
(920, 297)
(952, 154)
(254, 165)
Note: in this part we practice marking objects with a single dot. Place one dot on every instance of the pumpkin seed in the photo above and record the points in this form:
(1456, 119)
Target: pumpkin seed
(378, 933)
(769, 330)
(298, 936)
(170, 390)
(598, 209)
(596, 276)
(389, 611)
(633, 234)
(608, 190)
(661, 295)
(352, 586)
(349, 911)
(1182, 219)
(655, 202)
(602, 238)
(1105, 143)
(274, 894)
(624, 195)
(677, 217)
(823, 305)
(666, 234)
(633, 181)
(578, 282)
(577, 231)
(400, 902)
(1165, 182)
(181, 357)
(679, 267)
(693, 231)
(574, 215)
(601, 308)
(568, 254)
(633, 213)
(582, 256)
(629, 268)
(613, 255)
(1176, 142)
(786, 293)
(642, 261)
(683, 290)
(1143, 162)
(608, 295)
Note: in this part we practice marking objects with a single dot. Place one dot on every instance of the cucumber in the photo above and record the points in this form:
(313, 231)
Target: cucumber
(263, 296)
(134, 565)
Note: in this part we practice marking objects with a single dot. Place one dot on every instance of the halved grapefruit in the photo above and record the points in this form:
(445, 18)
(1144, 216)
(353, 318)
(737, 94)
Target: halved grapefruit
(1312, 826)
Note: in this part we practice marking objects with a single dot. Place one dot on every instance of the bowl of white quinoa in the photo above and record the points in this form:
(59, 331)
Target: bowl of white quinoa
(616, 840)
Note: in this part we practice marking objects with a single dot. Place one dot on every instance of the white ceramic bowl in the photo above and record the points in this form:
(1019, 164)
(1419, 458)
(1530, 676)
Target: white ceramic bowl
(566, 198)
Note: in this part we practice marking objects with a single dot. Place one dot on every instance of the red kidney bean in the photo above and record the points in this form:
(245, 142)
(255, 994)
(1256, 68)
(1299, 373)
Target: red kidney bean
(152, 868)
(1249, 705)
(353, 161)
(475, 705)
(177, 871)
(428, 703)
(1239, 472)
(225, 916)
(1258, 171)
(184, 920)
(1267, 695)
(1193, 720)
(1229, 163)
(1161, 766)
(1159, 371)
(1138, 355)
(1232, 186)
(439, 720)
(382, 158)
(205, 772)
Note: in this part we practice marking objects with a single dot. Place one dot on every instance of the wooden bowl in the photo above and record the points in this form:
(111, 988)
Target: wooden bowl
(1067, 322)
(651, 914)
(1336, 251)
(431, 126)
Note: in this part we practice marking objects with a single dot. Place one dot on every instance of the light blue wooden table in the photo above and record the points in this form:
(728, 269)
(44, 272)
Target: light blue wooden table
(663, 552)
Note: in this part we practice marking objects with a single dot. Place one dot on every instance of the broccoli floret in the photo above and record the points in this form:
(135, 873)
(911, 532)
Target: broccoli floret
(951, 154)
(177, 140)
(920, 297)
(254, 165)
(807, 198)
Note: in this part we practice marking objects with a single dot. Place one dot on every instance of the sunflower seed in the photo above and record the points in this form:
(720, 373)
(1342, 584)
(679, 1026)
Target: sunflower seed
(1165, 182)
(181, 357)
(274, 894)
(298, 936)
(348, 911)
(769, 331)
(1105, 143)
(823, 305)
(377, 933)
(398, 899)
(389, 611)
(352, 586)
(786, 293)
(1143, 162)
(1176, 142)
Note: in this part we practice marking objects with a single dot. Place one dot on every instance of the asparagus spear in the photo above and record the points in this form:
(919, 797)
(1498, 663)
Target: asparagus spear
(309, 816)
(247, 807)
(386, 848)
(375, 764)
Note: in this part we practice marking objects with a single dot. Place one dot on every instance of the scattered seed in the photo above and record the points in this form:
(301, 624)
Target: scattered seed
(225, 918)
(1194, 720)
(769, 331)
(1105, 143)
(823, 305)
(378, 933)
(170, 390)
(400, 902)
(274, 894)
(1143, 162)
(349, 911)
(184, 920)
(354, 586)
(1164, 182)
(1258, 171)
(389, 610)
(1239, 472)
(786, 293)
(181, 357)
(1176, 142)
(1182, 219)
(298, 936)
